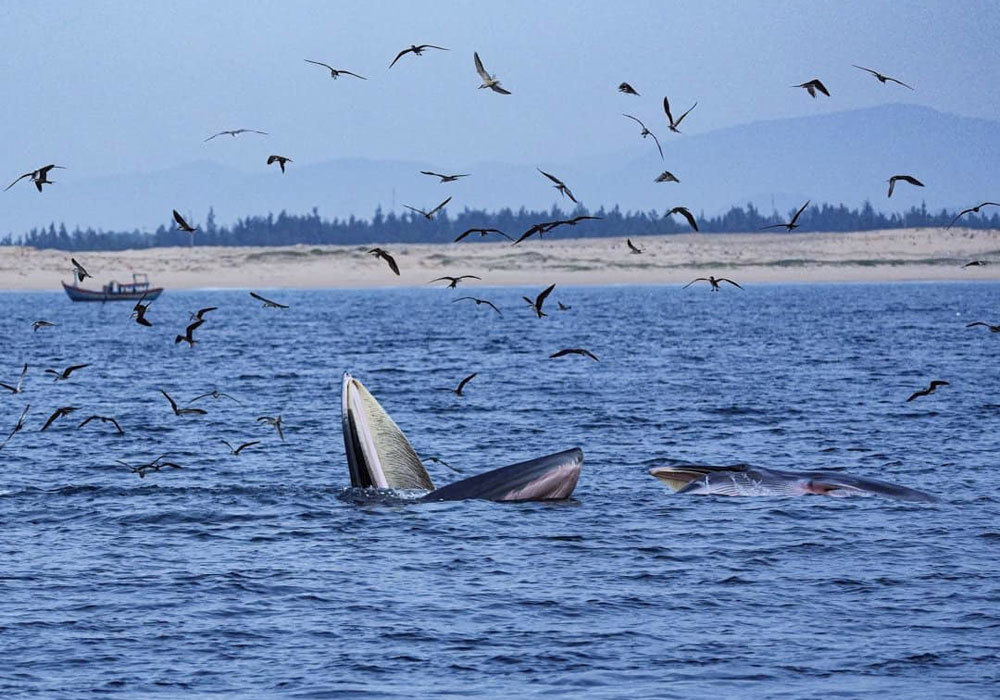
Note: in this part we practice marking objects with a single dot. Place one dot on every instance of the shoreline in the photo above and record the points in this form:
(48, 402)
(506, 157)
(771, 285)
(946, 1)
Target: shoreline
(899, 255)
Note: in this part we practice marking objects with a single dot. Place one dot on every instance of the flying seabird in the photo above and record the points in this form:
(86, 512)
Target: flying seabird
(976, 263)
(236, 450)
(791, 225)
(274, 422)
(200, 314)
(334, 72)
(444, 178)
(429, 214)
(489, 81)
(16, 389)
(40, 324)
(993, 329)
(478, 302)
(188, 337)
(905, 178)
(236, 132)
(666, 176)
(461, 385)
(182, 411)
(453, 281)
(928, 391)
(631, 247)
(683, 211)
(17, 427)
(646, 132)
(483, 232)
(182, 224)
(575, 351)
(156, 465)
(416, 50)
(380, 253)
(58, 413)
(38, 177)
(812, 86)
(79, 271)
(560, 185)
(267, 303)
(973, 210)
(139, 312)
(627, 89)
(536, 305)
(280, 160)
(103, 419)
(714, 281)
(881, 77)
(64, 375)
(670, 117)
(215, 394)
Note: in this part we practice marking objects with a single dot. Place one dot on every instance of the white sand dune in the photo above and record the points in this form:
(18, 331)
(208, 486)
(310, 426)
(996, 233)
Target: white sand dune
(909, 254)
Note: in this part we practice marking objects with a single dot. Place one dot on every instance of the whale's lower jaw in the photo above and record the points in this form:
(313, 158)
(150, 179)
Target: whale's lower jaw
(549, 478)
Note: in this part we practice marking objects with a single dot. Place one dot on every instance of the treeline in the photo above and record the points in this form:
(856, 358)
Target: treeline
(290, 229)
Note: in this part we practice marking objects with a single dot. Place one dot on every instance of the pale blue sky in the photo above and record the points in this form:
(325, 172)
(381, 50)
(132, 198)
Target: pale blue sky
(113, 87)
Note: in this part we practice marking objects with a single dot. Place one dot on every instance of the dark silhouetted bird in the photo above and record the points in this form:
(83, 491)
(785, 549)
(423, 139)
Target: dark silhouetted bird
(268, 303)
(429, 214)
(334, 72)
(103, 419)
(38, 177)
(791, 225)
(993, 329)
(18, 427)
(928, 391)
(575, 351)
(670, 117)
(631, 247)
(188, 336)
(489, 81)
(666, 176)
(478, 302)
(627, 89)
(79, 271)
(560, 185)
(483, 232)
(453, 281)
(236, 450)
(905, 178)
(40, 324)
(714, 281)
(236, 132)
(182, 411)
(461, 385)
(444, 178)
(536, 305)
(57, 414)
(390, 261)
(973, 210)
(64, 375)
(812, 86)
(683, 211)
(881, 77)
(416, 50)
(215, 394)
(182, 224)
(646, 132)
(274, 423)
(280, 160)
(16, 389)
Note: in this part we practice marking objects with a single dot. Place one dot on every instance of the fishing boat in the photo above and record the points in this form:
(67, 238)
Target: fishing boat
(115, 291)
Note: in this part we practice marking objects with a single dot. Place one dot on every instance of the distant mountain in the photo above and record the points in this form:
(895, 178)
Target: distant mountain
(842, 157)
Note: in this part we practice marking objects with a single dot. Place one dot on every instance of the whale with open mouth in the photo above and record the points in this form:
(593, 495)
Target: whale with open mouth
(743, 480)
(380, 456)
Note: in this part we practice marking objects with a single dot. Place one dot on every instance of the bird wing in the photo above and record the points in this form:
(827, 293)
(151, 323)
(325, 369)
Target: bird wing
(762, 228)
(666, 108)
(497, 88)
(490, 304)
(469, 277)
(658, 147)
(543, 296)
(85, 421)
(820, 86)
(115, 423)
(917, 394)
(390, 260)
(442, 279)
(432, 46)
(496, 230)
(723, 279)
(347, 72)
(419, 211)
(589, 354)
(799, 212)
(214, 135)
(560, 353)
(226, 442)
(69, 370)
(8, 387)
(569, 194)
(892, 185)
(869, 70)
(631, 245)
(687, 215)
(79, 267)
(551, 177)
(461, 384)
(199, 397)
(527, 234)
(58, 412)
(900, 82)
(202, 312)
(191, 327)
(439, 207)
(627, 89)
(16, 181)
(464, 234)
(180, 219)
(479, 67)
(255, 295)
(246, 445)
(634, 119)
(912, 180)
(696, 279)
(318, 63)
(976, 323)
(681, 118)
(399, 56)
(173, 404)
(429, 172)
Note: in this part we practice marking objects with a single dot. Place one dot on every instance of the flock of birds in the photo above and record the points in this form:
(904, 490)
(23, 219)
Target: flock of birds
(40, 177)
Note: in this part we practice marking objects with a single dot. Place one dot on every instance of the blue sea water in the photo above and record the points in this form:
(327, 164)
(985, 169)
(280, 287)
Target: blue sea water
(259, 575)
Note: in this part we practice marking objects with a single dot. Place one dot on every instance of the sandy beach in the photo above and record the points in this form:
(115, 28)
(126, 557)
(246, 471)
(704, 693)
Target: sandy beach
(876, 256)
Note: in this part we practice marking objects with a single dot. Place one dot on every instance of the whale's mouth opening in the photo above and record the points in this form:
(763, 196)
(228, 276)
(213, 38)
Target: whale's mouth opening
(378, 453)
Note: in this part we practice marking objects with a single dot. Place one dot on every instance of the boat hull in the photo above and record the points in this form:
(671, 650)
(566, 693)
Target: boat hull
(81, 294)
